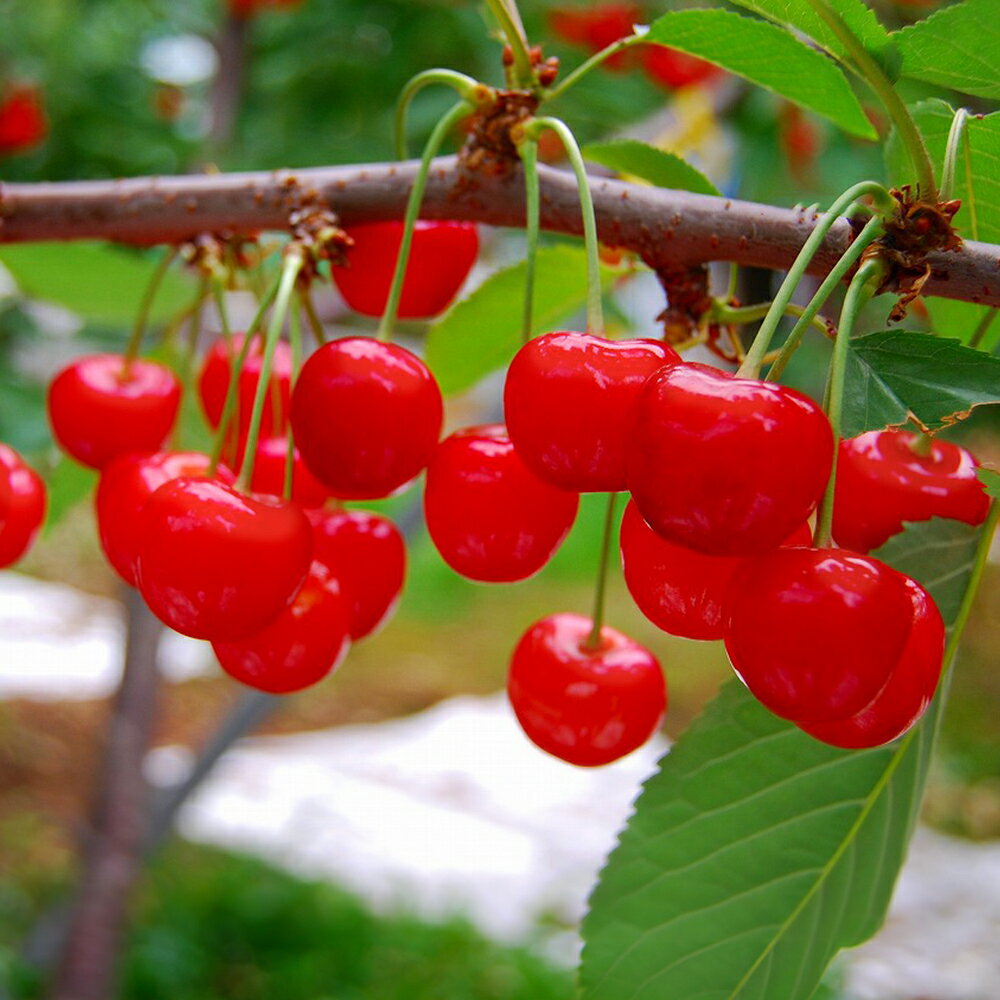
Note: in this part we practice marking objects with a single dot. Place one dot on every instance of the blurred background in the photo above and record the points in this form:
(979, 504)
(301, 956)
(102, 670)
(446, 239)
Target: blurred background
(106, 88)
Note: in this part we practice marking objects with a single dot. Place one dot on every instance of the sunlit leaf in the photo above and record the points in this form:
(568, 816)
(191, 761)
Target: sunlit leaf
(638, 159)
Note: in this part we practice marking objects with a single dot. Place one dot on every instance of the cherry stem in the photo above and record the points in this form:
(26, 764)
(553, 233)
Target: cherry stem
(509, 19)
(593, 640)
(145, 307)
(595, 309)
(528, 150)
(309, 308)
(922, 444)
(468, 89)
(286, 286)
(592, 63)
(437, 137)
(236, 366)
(872, 73)
(955, 134)
(741, 315)
(871, 232)
(862, 287)
(295, 338)
(982, 327)
(884, 204)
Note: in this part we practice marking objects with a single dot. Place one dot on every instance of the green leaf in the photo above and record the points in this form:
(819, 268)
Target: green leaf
(802, 16)
(963, 320)
(895, 376)
(756, 852)
(663, 169)
(482, 332)
(68, 485)
(977, 178)
(991, 480)
(768, 56)
(956, 47)
(99, 281)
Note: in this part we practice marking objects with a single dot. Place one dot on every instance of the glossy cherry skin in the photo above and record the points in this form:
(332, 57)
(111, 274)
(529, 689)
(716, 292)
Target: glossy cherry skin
(23, 509)
(673, 69)
(570, 403)
(305, 643)
(216, 564)
(269, 474)
(213, 384)
(100, 407)
(727, 466)
(587, 707)
(367, 554)
(366, 416)
(815, 634)
(678, 589)
(441, 256)
(125, 485)
(491, 518)
(882, 482)
(905, 698)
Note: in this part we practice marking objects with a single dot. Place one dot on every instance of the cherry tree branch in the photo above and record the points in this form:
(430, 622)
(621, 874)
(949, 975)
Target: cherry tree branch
(668, 228)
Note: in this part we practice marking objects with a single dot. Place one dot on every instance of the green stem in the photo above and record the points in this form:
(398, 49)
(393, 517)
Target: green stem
(741, 315)
(982, 328)
(951, 153)
(592, 63)
(529, 161)
(867, 236)
(510, 24)
(884, 203)
(315, 325)
(295, 337)
(468, 89)
(593, 641)
(595, 309)
(875, 77)
(145, 306)
(862, 287)
(437, 137)
(286, 286)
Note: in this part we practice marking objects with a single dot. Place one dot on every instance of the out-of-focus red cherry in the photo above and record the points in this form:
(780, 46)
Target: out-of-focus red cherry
(22, 506)
(23, 124)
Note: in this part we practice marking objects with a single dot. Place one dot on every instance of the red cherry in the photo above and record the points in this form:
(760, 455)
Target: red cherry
(570, 403)
(22, 120)
(679, 590)
(815, 634)
(269, 474)
(126, 483)
(441, 256)
(216, 564)
(366, 416)
(101, 407)
(490, 517)
(728, 466)
(909, 691)
(366, 552)
(596, 27)
(307, 641)
(22, 509)
(213, 384)
(585, 706)
(248, 8)
(882, 482)
(674, 69)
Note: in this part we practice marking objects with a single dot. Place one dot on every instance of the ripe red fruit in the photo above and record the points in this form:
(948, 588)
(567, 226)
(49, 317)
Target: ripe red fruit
(23, 508)
(367, 554)
(674, 69)
(441, 256)
(570, 404)
(585, 706)
(22, 120)
(213, 384)
(216, 564)
(269, 474)
(909, 691)
(300, 647)
(815, 634)
(101, 407)
(126, 483)
(490, 517)
(366, 416)
(882, 482)
(596, 27)
(248, 8)
(728, 466)
(678, 589)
